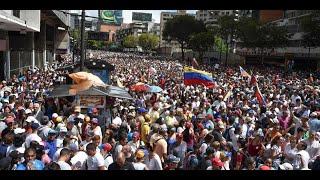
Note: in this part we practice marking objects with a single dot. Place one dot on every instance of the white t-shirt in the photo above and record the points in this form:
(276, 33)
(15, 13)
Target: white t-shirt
(79, 159)
(2, 126)
(108, 161)
(139, 166)
(59, 142)
(56, 155)
(290, 152)
(203, 148)
(97, 131)
(13, 148)
(64, 166)
(32, 137)
(304, 155)
(95, 161)
(117, 150)
(155, 163)
(313, 148)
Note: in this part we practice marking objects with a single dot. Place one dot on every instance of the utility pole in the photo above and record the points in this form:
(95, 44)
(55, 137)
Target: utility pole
(82, 56)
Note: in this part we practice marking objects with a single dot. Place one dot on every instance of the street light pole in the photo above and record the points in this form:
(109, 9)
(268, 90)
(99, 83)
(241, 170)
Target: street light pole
(83, 16)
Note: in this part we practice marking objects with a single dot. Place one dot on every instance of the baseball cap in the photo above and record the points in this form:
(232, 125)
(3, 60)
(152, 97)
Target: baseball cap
(286, 166)
(35, 126)
(59, 119)
(217, 162)
(55, 115)
(142, 110)
(19, 131)
(31, 119)
(264, 167)
(140, 154)
(52, 132)
(173, 159)
(63, 129)
(28, 111)
(94, 120)
(106, 147)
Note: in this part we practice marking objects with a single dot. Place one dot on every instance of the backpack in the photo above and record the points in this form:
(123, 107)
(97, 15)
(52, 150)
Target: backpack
(3, 150)
(226, 134)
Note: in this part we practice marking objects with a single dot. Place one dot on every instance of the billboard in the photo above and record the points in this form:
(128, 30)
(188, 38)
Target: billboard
(137, 16)
(112, 16)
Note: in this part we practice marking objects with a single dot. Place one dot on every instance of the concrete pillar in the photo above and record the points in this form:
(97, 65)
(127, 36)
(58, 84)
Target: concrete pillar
(8, 65)
(32, 46)
(44, 30)
(54, 42)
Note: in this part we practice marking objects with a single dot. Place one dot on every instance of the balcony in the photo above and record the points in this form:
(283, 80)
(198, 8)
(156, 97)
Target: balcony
(62, 17)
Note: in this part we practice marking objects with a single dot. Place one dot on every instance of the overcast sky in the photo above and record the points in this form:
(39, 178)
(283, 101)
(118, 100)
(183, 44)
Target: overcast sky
(127, 14)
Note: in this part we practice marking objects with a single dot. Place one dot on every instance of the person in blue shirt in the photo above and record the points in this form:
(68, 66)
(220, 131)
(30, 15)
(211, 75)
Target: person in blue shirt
(314, 123)
(30, 161)
(51, 143)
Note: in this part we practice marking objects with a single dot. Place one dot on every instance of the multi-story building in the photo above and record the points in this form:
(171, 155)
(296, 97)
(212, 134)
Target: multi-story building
(295, 50)
(168, 47)
(210, 17)
(31, 38)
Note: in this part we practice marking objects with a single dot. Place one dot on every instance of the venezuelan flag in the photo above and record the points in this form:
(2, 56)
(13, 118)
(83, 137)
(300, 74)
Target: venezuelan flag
(197, 77)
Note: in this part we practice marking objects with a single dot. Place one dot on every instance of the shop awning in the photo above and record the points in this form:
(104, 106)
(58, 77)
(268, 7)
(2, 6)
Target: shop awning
(112, 91)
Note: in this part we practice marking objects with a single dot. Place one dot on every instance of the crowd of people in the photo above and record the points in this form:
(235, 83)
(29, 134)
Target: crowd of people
(181, 128)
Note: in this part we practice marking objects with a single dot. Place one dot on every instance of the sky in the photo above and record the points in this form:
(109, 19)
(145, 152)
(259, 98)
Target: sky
(127, 14)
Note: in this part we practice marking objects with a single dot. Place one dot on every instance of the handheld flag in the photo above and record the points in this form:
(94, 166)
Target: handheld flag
(259, 97)
(197, 77)
(253, 80)
(194, 62)
(244, 73)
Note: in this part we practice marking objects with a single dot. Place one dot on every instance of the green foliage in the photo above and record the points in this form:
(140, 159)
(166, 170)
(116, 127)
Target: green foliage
(130, 41)
(220, 44)
(311, 27)
(201, 42)
(148, 41)
(180, 28)
(255, 35)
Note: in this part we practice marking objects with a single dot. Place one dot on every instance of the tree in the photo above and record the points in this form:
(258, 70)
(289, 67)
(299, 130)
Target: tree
(201, 42)
(262, 36)
(180, 28)
(311, 27)
(148, 41)
(227, 29)
(130, 41)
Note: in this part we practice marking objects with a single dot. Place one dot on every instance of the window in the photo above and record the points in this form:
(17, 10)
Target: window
(16, 13)
(227, 12)
(222, 13)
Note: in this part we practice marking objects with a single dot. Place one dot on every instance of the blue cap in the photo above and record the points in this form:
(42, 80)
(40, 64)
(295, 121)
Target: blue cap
(35, 126)
(142, 110)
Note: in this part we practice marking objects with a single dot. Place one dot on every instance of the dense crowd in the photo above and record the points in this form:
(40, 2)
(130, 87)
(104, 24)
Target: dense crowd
(181, 128)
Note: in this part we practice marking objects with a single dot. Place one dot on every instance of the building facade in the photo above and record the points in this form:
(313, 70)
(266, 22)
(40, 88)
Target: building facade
(30, 38)
(210, 17)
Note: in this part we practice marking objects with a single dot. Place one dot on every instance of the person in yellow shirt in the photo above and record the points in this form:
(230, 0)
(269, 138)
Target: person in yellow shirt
(145, 128)
(154, 113)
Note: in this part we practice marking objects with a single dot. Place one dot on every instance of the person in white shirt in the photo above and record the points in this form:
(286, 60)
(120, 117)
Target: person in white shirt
(302, 158)
(34, 135)
(78, 160)
(64, 157)
(290, 150)
(62, 134)
(139, 165)
(95, 160)
(154, 161)
(313, 146)
(96, 129)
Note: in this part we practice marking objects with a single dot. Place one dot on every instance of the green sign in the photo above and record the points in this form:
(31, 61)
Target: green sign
(111, 17)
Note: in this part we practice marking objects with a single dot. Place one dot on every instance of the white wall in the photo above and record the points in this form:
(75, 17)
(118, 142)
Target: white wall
(32, 18)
